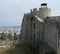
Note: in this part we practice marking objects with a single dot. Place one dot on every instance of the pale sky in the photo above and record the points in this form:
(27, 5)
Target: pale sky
(12, 11)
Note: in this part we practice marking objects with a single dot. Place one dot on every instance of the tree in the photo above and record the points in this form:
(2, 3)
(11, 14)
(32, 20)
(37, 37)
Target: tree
(10, 36)
(3, 36)
(15, 36)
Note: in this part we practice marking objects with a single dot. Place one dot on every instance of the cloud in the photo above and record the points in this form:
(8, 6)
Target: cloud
(10, 3)
(12, 10)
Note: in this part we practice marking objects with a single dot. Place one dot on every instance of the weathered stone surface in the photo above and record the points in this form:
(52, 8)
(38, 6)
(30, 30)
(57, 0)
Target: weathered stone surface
(45, 33)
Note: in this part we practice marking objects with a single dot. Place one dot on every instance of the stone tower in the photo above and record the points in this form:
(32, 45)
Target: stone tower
(44, 11)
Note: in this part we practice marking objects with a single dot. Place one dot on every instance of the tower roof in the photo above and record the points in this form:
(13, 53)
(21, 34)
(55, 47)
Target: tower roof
(44, 4)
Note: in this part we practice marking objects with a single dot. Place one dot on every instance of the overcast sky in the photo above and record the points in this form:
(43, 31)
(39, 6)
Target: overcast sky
(11, 11)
